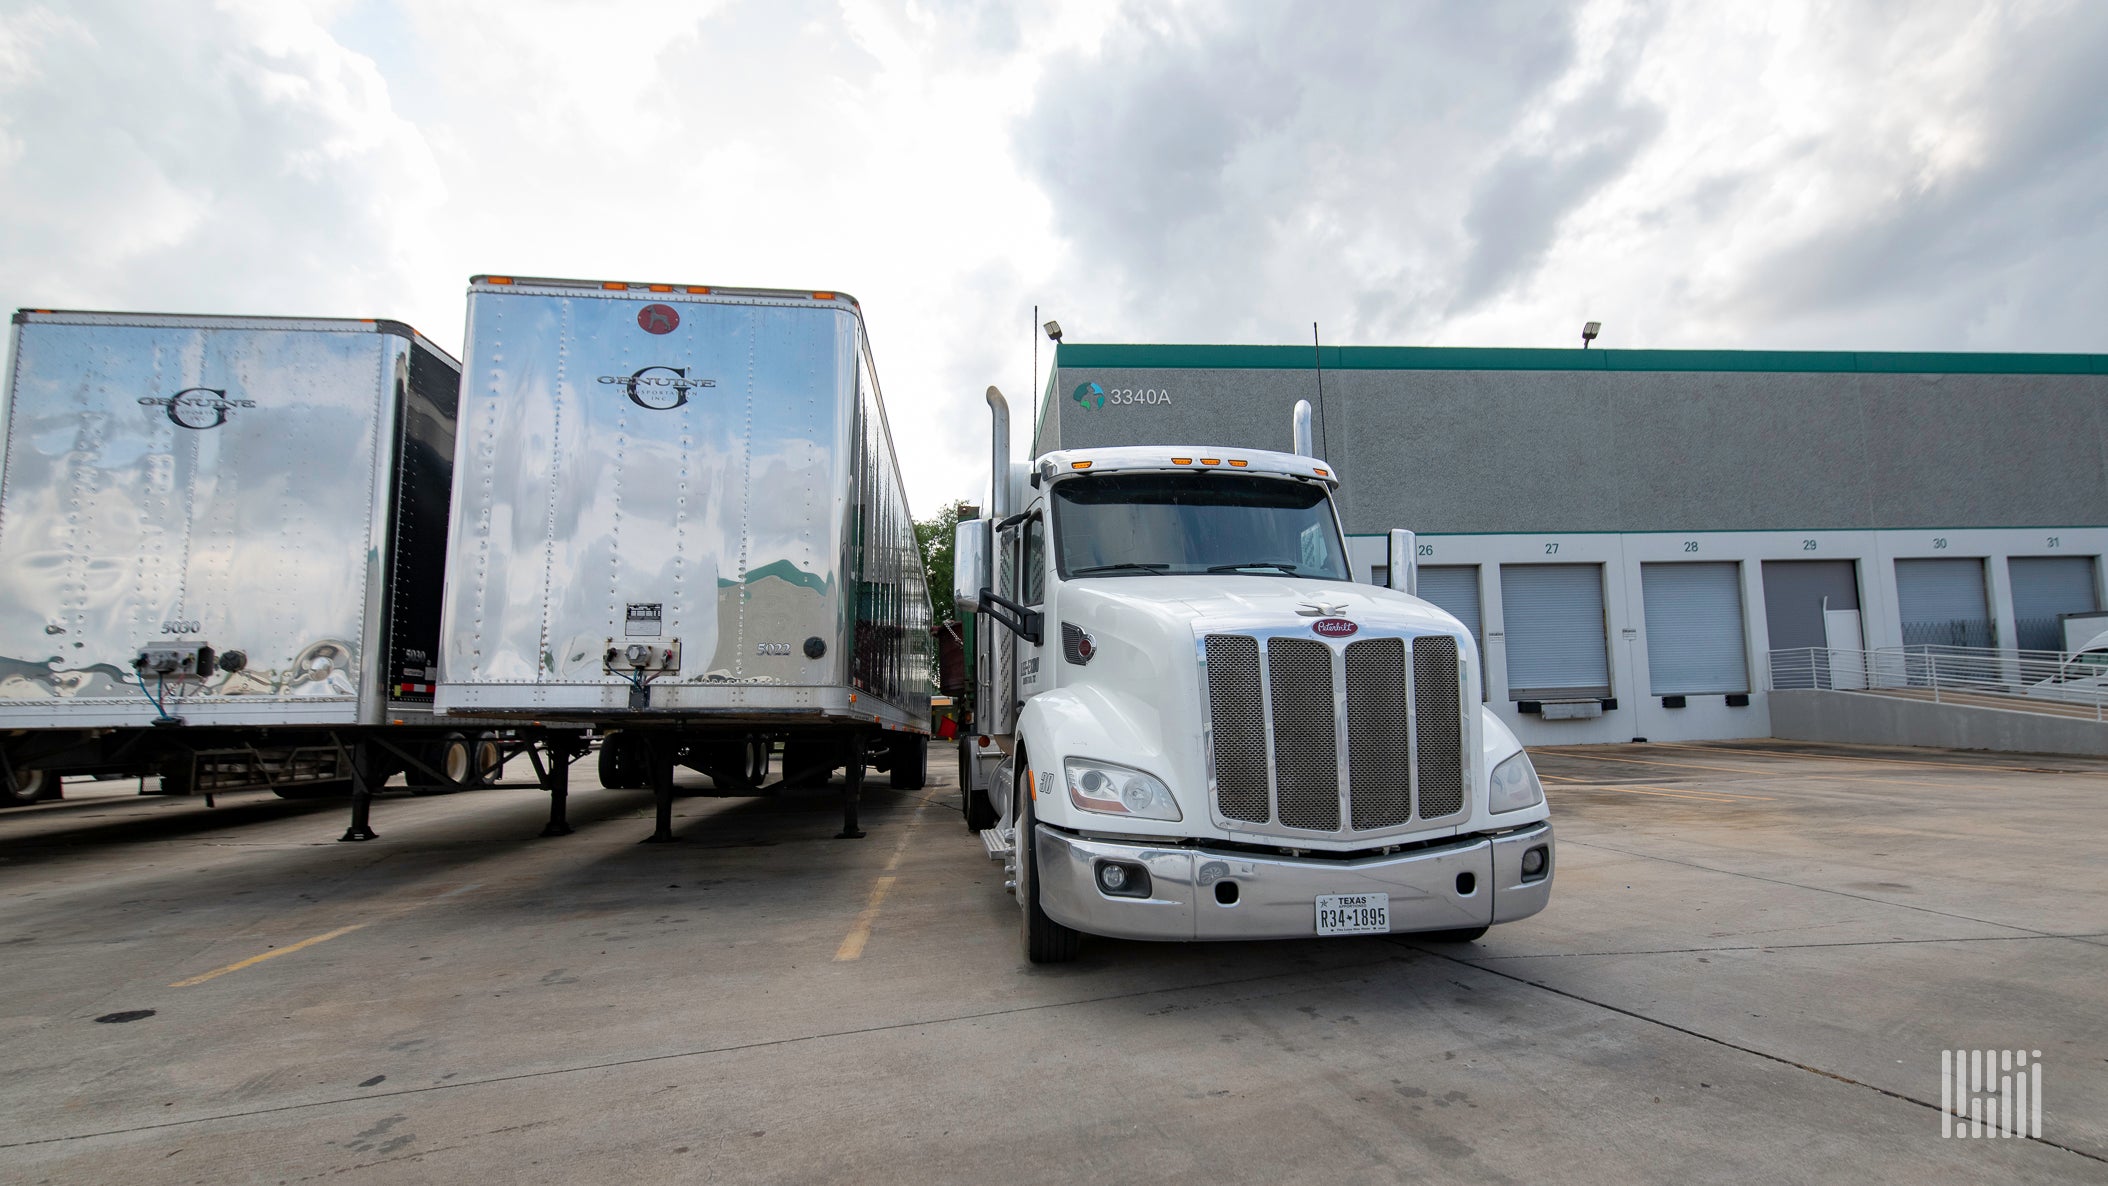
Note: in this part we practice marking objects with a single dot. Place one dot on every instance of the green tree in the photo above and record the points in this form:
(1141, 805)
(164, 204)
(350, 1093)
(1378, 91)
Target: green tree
(935, 537)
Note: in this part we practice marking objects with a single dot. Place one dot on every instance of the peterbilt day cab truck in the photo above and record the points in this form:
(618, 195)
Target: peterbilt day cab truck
(1207, 730)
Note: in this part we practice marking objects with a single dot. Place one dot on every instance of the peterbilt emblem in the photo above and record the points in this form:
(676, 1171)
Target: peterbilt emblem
(658, 319)
(644, 382)
(1321, 609)
(1334, 627)
(197, 408)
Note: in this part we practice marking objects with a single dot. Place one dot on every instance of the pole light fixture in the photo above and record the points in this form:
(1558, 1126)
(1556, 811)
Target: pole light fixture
(1054, 331)
(1589, 332)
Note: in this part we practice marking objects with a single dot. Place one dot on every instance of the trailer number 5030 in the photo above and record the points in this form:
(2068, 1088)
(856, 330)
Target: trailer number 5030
(191, 626)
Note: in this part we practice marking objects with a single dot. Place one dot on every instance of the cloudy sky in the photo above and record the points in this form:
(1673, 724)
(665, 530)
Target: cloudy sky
(1869, 175)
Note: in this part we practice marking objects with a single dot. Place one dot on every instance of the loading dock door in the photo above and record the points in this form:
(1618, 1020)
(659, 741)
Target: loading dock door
(1795, 593)
(1695, 643)
(1942, 603)
(1555, 631)
(2043, 588)
(1454, 587)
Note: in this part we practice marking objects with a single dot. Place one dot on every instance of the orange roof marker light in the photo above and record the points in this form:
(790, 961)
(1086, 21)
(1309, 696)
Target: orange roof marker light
(1079, 465)
(613, 285)
(1211, 461)
(661, 287)
(1182, 461)
(1239, 464)
(497, 280)
(698, 288)
(823, 296)
(1321, 472)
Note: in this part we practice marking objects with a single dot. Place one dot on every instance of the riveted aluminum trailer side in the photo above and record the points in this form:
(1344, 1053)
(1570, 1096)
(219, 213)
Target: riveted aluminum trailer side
(677, 514)
(232, 524)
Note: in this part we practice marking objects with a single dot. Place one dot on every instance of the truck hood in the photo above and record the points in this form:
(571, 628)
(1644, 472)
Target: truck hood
(1228, 602)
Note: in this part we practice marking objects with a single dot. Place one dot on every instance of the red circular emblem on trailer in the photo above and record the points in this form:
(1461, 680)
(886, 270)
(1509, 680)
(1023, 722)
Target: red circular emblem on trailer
(1334, 627)
(658, 319)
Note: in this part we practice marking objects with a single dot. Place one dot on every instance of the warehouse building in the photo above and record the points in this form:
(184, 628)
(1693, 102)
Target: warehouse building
(1631, 535)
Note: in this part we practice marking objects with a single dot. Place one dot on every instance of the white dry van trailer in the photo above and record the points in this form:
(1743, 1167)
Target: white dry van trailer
(1207, 730)
(221, 542)
(677, 517)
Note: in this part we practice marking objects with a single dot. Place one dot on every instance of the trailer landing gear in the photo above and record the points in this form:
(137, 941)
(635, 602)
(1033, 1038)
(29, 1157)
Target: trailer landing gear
(555, 777)
(852, 789)
(360, 760)
(663, 750)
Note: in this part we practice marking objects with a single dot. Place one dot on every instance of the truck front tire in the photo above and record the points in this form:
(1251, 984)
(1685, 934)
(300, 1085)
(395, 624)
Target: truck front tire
(27, 787)
(1045, 941)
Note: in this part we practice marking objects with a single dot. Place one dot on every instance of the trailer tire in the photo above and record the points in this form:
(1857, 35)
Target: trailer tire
(911, 762)
(27, 787)
(453, 757)
(1045, 941)
(490, 759)
(624, 766)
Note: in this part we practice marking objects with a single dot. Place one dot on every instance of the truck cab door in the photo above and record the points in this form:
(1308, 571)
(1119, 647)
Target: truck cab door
(1033, 674)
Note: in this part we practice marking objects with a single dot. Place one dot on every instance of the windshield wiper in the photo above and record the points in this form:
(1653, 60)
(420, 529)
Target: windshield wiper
(1123, 566)
(1287, 568)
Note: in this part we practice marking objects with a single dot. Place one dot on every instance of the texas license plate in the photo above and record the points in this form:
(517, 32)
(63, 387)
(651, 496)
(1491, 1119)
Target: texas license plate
(1354, 914)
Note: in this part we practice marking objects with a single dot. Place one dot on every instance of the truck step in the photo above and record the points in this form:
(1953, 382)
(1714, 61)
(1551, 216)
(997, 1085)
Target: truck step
(997, 842)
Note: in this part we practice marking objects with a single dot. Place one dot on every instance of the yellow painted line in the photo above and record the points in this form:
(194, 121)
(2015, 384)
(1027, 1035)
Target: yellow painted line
(860, 932)
(274, 953)
(853, 943)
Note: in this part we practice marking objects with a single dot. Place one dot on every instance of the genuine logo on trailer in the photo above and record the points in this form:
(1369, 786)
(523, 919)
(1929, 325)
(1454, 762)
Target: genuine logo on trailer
(197, 408)
(658, 319)
(651, 387)
(1334, 627)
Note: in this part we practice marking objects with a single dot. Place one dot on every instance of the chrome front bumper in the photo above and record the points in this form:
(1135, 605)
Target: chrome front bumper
(1276, 897)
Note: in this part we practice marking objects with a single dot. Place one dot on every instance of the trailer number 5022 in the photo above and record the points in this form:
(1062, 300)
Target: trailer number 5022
(772, 648)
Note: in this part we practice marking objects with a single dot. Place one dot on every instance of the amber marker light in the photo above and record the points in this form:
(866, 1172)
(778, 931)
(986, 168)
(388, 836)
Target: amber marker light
(661, 287)
(1323, 473)
(497, 280)
(698, 288)
(1079, 465)
(613, 285)
(1239, 464)
(1211, 461)
(823, 296)
(1182, 461)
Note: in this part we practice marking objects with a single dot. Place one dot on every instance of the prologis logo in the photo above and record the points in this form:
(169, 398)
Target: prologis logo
(197, 408)
(658, 381)
(1089, 395)
(1334, 627)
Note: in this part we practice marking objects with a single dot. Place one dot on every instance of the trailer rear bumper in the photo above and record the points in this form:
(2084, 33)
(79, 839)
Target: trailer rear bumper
(1473, 882)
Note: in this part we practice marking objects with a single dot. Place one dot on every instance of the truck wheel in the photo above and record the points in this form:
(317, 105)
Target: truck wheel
(911, 762)
(451, 756)
(1045, 941)
(1466, 935)
(28, 786)
(490, 760)
(980, 813)
(621, 767)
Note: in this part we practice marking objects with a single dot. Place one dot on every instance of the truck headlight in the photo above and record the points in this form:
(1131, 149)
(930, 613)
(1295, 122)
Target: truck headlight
(1119, 790)
(1515, 785)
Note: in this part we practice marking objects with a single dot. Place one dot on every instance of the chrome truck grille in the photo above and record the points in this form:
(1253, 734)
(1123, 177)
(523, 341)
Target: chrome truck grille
(1304, 735)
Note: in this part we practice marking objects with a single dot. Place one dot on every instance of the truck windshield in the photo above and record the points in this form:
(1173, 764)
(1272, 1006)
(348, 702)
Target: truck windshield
(1154, 524)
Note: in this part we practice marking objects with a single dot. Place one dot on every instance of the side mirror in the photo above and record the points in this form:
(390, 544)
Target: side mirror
(970, 571)
(1405, 563)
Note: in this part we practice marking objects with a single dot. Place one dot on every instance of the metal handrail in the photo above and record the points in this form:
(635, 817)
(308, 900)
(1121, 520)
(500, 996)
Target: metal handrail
(2038, 681)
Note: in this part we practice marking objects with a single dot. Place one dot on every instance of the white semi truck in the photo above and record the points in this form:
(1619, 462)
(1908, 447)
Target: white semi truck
(1190, 723)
